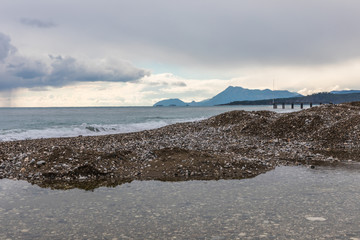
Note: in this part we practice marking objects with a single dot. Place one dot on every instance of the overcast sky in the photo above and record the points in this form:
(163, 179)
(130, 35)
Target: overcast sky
(127, 53)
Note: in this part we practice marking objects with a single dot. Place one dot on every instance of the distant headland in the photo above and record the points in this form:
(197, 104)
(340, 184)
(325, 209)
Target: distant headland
(243, 96)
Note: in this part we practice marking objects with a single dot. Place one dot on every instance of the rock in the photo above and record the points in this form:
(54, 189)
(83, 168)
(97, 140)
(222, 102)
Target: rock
(313, 219)
(40, 163)
(227, 165)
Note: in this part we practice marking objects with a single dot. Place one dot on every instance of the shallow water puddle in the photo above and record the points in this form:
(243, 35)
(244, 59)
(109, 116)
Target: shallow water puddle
(289, 202)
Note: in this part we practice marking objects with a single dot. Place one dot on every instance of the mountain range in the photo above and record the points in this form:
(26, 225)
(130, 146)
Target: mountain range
(345, 91)
(232, 94)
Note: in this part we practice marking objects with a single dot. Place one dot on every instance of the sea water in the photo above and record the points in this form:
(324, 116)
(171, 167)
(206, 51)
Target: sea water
(287, 203)
(33, 123)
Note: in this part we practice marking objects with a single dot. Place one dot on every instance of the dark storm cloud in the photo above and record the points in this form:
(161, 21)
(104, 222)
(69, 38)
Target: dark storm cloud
(26, 68)
(68, 69)
(32, 22)
(5, 47)
(21, 72)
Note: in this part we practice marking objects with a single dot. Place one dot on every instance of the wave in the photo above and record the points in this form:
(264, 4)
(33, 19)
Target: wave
(85, 129)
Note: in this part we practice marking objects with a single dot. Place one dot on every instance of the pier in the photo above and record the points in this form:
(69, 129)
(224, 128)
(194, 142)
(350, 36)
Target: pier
(301, 104)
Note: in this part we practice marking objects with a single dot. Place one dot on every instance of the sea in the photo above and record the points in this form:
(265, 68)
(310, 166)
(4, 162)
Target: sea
(35, 123)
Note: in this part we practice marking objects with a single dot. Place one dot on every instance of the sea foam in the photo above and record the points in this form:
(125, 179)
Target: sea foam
(85, 129)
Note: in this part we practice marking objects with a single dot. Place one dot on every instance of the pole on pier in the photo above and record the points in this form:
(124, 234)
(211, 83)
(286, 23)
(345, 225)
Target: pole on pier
(292, 105)
(301, 105)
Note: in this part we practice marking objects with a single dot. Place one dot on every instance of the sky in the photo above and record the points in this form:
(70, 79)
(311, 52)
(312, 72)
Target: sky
(135, 53)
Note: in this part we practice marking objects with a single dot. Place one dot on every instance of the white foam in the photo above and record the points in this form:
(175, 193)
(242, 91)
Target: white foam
(85, 130)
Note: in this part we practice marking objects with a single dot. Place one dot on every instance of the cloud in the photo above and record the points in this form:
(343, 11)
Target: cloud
(68, 69)
(17, 71)
(201, 35)
(179, 84)
(163, 80)
(210, 34)
(163, 83)
(301, 44)
(232, 33)
(5, 47)
(33, 22)
(26, 68)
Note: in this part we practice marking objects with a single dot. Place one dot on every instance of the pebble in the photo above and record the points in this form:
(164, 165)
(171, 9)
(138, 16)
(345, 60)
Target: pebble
(313, 219)
(39, 163)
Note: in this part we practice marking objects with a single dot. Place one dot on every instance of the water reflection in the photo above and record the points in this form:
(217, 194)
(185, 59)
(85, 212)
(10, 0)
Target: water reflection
(289, 202)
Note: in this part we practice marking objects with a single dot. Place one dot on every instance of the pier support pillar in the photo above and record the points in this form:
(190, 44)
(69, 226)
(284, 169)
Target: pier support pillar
(283, 106)
(292, 106)
(274, 105)
(301, 105)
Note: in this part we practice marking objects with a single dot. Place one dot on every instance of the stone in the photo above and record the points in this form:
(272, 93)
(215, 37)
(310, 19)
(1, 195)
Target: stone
(313, 219)
(40, 163)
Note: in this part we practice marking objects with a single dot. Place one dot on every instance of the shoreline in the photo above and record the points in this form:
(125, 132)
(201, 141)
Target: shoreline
(232, 145)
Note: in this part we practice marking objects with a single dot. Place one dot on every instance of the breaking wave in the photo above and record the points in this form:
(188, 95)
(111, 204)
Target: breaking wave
(85, 129)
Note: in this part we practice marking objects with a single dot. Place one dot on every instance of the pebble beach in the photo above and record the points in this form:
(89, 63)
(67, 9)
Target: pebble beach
(232, 145)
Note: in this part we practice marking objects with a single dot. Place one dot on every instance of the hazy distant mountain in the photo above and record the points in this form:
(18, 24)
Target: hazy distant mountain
(170, 102)
(232, 94)
(345, 91)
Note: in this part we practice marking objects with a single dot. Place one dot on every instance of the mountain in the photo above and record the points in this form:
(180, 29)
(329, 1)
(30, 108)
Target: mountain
(317, 98)
(345, 91)
(232, 94)
(170, 102)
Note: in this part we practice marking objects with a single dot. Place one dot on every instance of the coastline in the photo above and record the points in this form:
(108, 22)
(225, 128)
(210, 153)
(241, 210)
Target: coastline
(231, 145)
